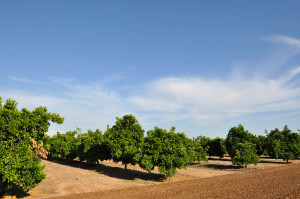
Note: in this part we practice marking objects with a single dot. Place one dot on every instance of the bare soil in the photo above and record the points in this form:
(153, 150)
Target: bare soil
(217, 178)
(277, 182)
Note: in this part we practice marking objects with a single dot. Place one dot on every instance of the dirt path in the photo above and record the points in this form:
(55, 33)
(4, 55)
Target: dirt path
(277, 182)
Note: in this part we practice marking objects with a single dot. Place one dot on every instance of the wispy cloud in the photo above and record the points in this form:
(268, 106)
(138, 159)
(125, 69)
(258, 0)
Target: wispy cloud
(167, 100)
(290, 75)
(277, 58)
(284, 40)
(83, 105)
(196, 99)
(207, 101)
(24, 80)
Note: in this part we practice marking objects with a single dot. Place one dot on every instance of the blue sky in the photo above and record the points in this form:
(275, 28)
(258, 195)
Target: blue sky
(202, 66)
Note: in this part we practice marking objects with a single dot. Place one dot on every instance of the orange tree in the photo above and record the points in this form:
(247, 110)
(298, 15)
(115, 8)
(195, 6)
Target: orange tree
(240, 144)
(92, 147)
(62, 145)
(216, 147)
(168, 151)
(18, 129)
(283, 144)
(238, 135)
(244, 154)
(203, 141)
(125, 140)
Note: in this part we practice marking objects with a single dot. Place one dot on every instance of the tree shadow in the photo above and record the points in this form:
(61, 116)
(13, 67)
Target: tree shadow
(271, 162)
(220, 159)
(115, 172)
(222, 167)
(15, 190)
(269, 159)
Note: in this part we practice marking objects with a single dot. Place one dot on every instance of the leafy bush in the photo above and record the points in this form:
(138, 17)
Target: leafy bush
(125, 140)
(63, 145)
(261, 145)
(244, 154)
(18, 129)
(198, 151)
(204, 142)
(216, 147)
(235, 136)
(93, 147)
(283, 144)
(168, 151)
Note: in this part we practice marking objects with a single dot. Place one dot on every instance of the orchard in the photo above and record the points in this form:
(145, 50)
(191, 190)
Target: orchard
(23, 142)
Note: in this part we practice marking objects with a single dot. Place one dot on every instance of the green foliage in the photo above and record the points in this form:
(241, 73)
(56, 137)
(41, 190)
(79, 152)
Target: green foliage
(92, 147)
(18, 164)
(244, 154)
(63, 145)
(261, 145)
(198, 151)
(283, 144)
(168, 151)
(216, 147)
(235, 136)
(47, 142)
(125, 140)
(38, 121)
(204, 142)
(194, 150)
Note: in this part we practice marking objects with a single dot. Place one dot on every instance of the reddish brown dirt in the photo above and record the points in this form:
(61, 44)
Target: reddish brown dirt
(276, 182)
(72, 177)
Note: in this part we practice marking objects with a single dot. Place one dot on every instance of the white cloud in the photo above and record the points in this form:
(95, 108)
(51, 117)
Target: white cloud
(166, 100)
(295, 71)
(87, 106)
(24, 80)
(188, 100)
(290, 76)
(208, 101)
(278, 56)
(284, 40)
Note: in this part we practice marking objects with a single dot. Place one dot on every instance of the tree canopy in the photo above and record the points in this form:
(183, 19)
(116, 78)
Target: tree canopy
(18, 129)
(62, 145)
(168, 151)
(241, 146)
(216, 147)
(92, 147)
(125, 140)
(237, 135)
(244, 154)
(283, 144)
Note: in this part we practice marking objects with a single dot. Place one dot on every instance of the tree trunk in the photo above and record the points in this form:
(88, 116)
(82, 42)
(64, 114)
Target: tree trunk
(125, 166)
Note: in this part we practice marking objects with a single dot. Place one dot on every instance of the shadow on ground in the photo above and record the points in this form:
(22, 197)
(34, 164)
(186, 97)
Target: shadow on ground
(270, 161)
(115, 172)
(222, 167)
(15, 190)
(219, 159)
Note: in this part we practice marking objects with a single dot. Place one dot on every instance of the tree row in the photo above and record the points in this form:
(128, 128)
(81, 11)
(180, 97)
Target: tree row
(125, 142)
(23, 141)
